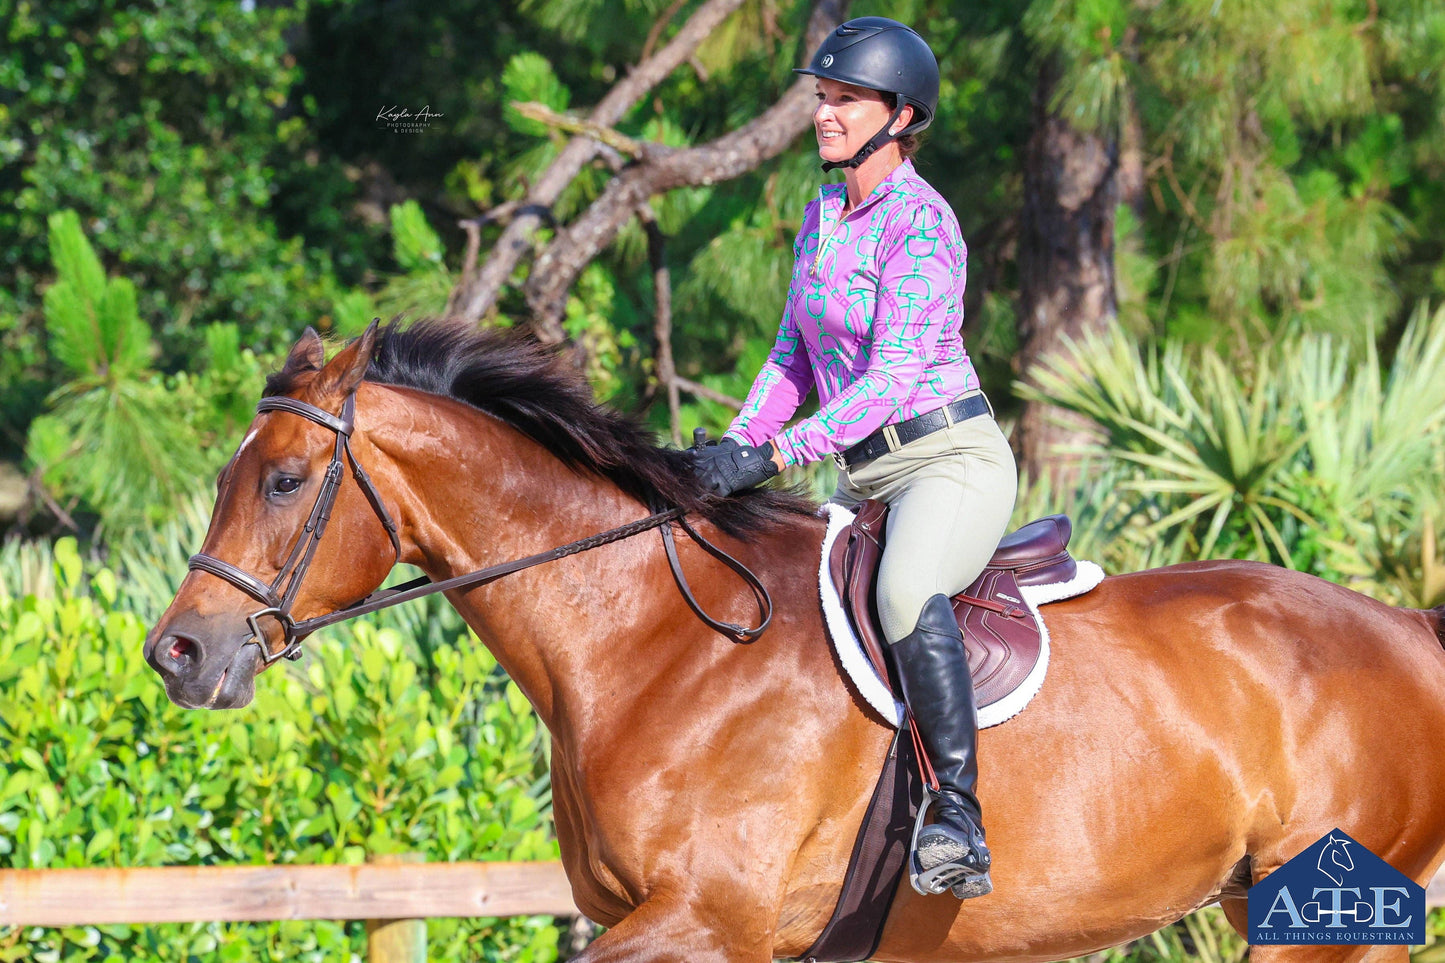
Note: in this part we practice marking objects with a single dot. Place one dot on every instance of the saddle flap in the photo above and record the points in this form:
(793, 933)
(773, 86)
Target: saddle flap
(858, 567)
(1001, 635)
(1003, 646)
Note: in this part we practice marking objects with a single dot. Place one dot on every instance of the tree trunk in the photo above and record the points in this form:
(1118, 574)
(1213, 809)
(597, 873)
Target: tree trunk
(1066, 269)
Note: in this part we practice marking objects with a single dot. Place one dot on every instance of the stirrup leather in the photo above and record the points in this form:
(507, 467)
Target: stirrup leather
(964, 882)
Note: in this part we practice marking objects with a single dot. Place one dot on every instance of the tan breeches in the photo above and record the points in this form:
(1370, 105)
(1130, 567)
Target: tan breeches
(950, 495)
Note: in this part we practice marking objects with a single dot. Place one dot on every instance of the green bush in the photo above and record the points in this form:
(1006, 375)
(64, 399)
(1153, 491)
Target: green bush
(1310, 456)
(350, 754)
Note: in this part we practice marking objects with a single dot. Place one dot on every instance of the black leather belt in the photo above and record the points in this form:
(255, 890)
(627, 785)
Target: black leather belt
(913, 429)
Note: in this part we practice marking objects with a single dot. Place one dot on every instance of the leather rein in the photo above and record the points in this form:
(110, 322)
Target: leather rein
(279, 596)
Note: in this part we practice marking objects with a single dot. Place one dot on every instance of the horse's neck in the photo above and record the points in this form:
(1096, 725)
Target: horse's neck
(577, 635)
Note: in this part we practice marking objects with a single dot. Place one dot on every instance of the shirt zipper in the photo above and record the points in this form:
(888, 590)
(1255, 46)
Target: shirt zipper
(823, 248)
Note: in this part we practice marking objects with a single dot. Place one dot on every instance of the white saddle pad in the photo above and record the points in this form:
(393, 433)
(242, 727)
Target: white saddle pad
(875, 690)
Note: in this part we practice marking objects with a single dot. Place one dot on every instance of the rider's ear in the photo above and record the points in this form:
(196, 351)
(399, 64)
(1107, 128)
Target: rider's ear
(905, 117)
(308, 354)
(347, 369)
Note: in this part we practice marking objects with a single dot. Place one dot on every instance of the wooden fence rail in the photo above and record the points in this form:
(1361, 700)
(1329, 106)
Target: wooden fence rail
(189, 894)
(373, 892)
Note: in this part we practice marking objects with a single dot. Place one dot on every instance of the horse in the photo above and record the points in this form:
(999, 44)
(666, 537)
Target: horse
(1200, 724)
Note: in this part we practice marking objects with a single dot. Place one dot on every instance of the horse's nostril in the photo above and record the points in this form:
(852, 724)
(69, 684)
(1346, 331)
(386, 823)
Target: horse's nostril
(184, 651)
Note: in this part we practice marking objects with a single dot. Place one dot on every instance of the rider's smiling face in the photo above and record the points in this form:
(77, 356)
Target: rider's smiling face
(847, 117)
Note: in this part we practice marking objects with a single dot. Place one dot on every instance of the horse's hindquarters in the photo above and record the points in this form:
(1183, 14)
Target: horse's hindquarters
(1193, 718)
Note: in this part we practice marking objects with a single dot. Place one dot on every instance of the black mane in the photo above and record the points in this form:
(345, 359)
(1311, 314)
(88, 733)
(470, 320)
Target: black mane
(521, 382)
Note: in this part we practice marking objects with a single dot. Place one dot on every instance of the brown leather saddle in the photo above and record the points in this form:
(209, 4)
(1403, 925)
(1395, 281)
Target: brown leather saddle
(1000, 633)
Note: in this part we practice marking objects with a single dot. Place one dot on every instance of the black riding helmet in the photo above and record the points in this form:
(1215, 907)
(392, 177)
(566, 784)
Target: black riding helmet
(883, 55)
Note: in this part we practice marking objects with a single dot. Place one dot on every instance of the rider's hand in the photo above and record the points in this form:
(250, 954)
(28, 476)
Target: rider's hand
(725, 466)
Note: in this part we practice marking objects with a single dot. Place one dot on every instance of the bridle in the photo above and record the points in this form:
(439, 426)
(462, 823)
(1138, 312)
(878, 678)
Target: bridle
(278, 600)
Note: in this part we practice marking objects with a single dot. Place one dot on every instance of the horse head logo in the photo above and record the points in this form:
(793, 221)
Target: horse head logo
(1335, 860)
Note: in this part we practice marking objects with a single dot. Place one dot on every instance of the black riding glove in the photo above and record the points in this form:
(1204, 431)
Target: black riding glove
(724, 467)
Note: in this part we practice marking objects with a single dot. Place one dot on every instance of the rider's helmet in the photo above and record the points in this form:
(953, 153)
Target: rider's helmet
(883, 55)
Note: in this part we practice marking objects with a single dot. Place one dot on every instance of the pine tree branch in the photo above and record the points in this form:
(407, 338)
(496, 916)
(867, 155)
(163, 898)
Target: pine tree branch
(703, 391)
(723, 159)
(501, 214)
(667, 375)
(729, 156)
(620, 142)
(485, 287)
(469, 260)
(37, 489)
(655, 33)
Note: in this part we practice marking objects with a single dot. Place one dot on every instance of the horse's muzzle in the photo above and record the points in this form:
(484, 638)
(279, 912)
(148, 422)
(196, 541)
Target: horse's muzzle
(203, 668)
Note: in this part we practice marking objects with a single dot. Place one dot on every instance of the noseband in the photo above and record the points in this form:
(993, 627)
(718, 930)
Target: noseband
(278, 601)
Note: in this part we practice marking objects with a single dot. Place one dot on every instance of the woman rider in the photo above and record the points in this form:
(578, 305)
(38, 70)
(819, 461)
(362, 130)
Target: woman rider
(873, 320)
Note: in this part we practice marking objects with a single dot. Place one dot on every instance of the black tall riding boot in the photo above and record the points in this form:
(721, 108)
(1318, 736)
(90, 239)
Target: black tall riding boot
(933, 670)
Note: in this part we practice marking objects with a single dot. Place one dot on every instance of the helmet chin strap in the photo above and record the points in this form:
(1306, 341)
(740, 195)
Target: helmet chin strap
(868, 149)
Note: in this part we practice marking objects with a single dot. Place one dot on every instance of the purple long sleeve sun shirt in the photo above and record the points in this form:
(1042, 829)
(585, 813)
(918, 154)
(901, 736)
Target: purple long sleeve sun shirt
(873, 321)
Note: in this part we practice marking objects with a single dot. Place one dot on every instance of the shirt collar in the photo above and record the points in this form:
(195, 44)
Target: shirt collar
(832, 197)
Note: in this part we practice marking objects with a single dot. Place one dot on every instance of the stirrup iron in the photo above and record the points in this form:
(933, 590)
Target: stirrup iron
(965, 883)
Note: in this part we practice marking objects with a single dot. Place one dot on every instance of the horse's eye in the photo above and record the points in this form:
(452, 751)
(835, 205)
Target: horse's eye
(286, 485)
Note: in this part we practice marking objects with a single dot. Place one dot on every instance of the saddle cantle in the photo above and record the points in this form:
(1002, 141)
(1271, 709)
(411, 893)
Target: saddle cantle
(1001, 634)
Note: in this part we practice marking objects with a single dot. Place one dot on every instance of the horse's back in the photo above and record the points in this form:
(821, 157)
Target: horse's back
(1255, 612)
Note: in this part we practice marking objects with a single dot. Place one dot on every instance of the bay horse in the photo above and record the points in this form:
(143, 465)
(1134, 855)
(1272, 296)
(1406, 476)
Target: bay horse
(1200, 724)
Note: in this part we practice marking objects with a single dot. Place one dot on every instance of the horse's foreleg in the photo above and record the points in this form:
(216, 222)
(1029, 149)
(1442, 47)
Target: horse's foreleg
(665, 929)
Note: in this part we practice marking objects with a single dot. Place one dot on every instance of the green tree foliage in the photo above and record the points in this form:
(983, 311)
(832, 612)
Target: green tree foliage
(93, 325)
(171, 130)
(1290, 155)
(120, 438)
(108, 437)
(1291, 150)
(352, 755)
(422, 286)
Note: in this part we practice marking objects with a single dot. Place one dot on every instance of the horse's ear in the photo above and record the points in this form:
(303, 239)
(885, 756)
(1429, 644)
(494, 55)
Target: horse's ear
(347, 369)
(308, 354)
